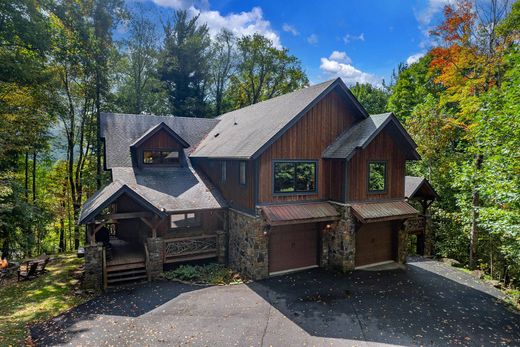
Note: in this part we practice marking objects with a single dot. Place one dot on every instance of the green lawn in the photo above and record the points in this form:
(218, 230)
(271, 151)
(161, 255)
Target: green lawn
(27, 302)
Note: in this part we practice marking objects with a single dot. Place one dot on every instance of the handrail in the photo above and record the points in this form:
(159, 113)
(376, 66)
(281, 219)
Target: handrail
(147, 255)
(173, 239)
(105, 276)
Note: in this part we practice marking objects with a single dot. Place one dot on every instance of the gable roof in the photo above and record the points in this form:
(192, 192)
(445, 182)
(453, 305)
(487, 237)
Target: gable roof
(154, 130)
(418, 187)
(120, 131)
(105, 196)
(362, 133)
(247, 132)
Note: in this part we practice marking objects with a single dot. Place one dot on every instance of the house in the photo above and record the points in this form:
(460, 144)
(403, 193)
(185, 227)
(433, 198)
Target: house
(302, 180)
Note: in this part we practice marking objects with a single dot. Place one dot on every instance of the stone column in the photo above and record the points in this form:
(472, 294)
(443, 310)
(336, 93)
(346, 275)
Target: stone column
(428, 236)
(402, 243)
(93, 267)
(155, 251)
(222, 247)
(339, 242)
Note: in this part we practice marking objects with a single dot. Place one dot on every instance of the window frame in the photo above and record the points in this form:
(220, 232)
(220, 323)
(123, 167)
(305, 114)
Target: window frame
(154, 149)
(196, 217)
(223, 171)
(244, 163)
(295, 161)
(385, 188)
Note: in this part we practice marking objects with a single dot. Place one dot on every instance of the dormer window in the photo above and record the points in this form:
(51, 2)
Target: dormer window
(161, 157)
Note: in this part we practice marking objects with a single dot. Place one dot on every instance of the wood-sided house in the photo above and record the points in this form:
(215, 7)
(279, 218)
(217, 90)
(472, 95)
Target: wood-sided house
(302, 180)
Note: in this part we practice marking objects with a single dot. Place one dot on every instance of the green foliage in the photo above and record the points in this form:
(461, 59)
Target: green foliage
(373, 99)
(207, 274)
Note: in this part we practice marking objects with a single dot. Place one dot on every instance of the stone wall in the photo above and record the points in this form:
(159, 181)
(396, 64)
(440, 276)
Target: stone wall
(248, 245)
(155, 251)
(93, 267)
(428, 236)
(222, 243)
(339, 242)
(402, 243)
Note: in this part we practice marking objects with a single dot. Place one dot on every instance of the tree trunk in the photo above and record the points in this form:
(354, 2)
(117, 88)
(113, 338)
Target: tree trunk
(98, 129)
(473, 245)
(34, 178)
(61, 245)
(26, 176)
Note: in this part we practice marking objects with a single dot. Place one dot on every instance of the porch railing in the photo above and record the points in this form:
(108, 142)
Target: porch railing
(416, 225)
(190, 248)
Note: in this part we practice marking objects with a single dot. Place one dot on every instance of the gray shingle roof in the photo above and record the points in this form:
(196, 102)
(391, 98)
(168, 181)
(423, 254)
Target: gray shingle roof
(356, 137)
(243, 133)
(121, 130)
(412, 184)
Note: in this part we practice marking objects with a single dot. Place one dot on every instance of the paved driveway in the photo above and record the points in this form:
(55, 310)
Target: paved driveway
(427, 304)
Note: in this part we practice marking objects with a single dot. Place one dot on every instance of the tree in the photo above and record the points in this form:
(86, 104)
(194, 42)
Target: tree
(264, 72)
(223, 65)
(372, 98)
(184, 65)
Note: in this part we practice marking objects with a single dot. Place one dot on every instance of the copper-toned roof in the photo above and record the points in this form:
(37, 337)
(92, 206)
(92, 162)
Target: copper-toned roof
(383, 211)
(300, 213)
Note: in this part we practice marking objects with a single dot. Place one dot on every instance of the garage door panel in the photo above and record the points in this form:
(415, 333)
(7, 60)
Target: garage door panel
(293, 246)
(374, 243)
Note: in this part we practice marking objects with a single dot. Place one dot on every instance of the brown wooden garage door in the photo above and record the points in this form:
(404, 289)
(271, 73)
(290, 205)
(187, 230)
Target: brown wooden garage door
(374, 243)
(293, 246)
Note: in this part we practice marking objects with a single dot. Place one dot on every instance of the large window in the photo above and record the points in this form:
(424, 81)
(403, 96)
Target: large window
(160, 157)
(376, 176)
(294, 177)
(184, 220)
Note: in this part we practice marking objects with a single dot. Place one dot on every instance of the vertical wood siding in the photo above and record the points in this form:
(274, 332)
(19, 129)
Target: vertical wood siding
(160, 140)
(306, 140)
(383, 147)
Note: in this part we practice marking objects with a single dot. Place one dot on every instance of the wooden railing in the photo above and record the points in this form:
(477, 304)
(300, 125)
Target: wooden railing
(190, 248)
(416, 225)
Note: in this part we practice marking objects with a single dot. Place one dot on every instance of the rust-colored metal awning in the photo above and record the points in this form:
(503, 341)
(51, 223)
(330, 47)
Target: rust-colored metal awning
(372, 212)
(300, 213)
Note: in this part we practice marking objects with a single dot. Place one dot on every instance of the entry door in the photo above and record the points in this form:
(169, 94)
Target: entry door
(293, 247)
(374, 243)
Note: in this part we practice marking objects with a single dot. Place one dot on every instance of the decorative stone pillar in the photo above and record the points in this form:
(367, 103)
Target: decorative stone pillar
(339, 242)
(428, 236)
(248, 244)
(402, 243)
(93, 267)
(222, 247)
(155, 261)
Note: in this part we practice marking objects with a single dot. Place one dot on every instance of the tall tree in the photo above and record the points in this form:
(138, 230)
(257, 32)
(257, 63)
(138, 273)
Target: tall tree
(223, 65)
(264, 71)
(372, 98)
(184, 65)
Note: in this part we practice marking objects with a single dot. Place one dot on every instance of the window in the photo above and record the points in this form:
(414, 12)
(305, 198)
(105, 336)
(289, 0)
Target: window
(294, 177)
(376, 176)
(160, 157)
(242, 172)
(223, 171)
(184, 220)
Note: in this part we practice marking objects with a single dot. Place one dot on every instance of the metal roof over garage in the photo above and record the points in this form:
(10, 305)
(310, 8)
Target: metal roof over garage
(300, 213)
(383, 211)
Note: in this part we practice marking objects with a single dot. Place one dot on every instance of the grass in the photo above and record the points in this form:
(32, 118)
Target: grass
(215, 274)
(31, 301)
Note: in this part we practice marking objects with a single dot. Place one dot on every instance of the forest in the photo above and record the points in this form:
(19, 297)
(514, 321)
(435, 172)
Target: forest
(62, 64)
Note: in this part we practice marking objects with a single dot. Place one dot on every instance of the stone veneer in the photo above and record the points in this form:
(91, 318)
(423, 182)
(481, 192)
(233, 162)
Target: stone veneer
(428, 236)
(222, 243)
(339, 242)
(248, 244)
(402, 244)
(155, 251)
(93, 267)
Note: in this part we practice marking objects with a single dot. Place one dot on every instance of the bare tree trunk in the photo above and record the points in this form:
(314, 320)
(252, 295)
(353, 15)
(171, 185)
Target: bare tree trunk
(473, 246)
(98, 129)
(26, 176)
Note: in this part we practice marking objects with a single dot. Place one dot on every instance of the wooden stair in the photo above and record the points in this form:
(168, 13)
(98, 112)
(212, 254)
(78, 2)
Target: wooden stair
(126, 273)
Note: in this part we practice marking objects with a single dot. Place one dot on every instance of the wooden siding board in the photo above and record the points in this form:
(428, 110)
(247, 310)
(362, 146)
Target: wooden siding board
(306, 140)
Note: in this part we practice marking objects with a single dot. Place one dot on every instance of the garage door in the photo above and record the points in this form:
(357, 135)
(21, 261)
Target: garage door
(293, 247)
(374, 243)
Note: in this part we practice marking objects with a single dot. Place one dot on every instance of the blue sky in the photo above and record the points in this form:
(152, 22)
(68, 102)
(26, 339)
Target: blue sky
(360, 41)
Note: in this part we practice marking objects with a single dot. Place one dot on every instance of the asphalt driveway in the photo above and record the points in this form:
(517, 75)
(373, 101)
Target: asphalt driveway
(427, 304)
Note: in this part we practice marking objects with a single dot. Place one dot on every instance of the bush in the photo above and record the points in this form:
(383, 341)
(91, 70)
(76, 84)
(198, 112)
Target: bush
(204, 274)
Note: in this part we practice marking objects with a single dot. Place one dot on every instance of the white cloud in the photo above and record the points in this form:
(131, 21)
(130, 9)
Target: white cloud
(426, 15)
(182, 4)
(338, 64)
(414, 58)
(349, 38)
(241, 24)
(290, 29)
(341, 57)
(312, 39)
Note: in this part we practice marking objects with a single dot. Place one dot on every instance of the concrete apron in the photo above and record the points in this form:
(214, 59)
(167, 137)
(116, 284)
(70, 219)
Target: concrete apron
(382, 266)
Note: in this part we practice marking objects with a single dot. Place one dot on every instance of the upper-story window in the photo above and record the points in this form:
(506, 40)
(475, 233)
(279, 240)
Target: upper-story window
(294, 176)
(377, 176)
(242, 172)
(160, 157)
(223, 171)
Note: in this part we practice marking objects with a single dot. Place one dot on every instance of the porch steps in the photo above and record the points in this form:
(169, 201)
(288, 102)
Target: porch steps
(122, 274)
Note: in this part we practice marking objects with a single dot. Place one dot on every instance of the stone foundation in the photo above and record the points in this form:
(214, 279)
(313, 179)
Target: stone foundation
(93, 267)
(222, 244)
(155, 251)
(339, 242)
(248, 245)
